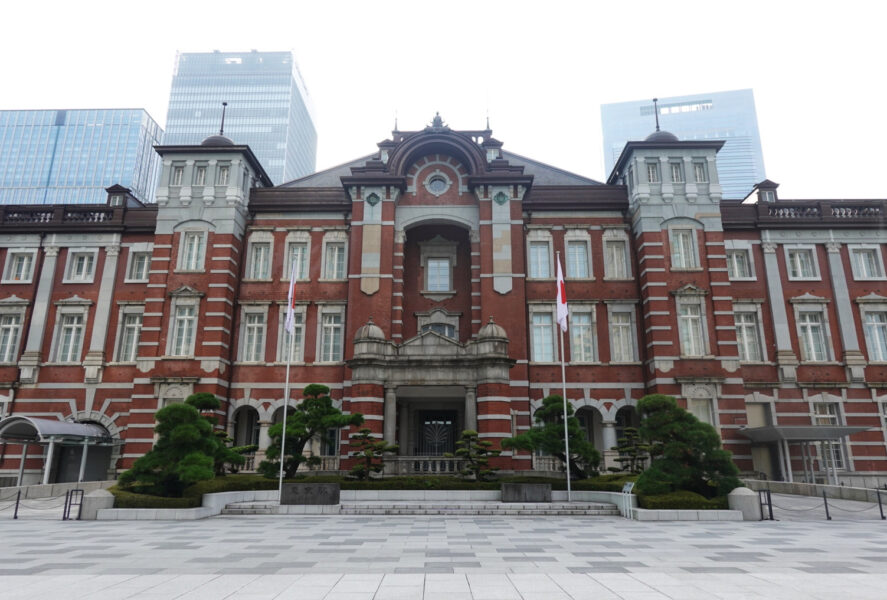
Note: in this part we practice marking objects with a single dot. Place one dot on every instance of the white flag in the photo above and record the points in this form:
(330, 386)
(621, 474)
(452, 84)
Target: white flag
(291, 301)
(562, 312)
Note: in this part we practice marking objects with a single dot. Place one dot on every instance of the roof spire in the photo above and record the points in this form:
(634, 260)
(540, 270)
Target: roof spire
(222, 126)
(656, 112)
(395, 119)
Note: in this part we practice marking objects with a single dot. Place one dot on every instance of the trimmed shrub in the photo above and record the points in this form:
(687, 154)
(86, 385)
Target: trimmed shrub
(682, 500)
(124, 499)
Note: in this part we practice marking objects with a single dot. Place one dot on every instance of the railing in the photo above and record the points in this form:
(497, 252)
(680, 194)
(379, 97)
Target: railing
(27, 216)
(822, 210)
(250, 465)
(429, 465)
(327, 463)
(74, 215)
(547, 463)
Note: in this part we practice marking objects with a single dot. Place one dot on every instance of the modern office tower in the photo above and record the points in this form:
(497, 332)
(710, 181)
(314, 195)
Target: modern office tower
(268, 107)
(71, 156)
(728, 116)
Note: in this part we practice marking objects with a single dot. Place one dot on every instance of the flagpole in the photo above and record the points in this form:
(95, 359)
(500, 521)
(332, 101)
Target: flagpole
(286, 402)
(564, 378)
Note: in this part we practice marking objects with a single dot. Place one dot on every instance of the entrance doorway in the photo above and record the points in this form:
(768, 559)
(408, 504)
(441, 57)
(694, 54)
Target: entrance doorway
(437, 432)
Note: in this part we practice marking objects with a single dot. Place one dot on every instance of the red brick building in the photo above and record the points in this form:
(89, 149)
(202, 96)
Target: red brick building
(426, 301)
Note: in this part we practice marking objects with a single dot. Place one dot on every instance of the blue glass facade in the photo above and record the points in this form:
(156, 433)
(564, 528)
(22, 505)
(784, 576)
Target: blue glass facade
(728, 116)
(71, 156)
(268, 108)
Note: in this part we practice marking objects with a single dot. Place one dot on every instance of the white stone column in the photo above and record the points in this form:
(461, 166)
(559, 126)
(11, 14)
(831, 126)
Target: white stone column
(609, 435)
(471, 409)
(47, 460)
(853, 357)
(31, 356)
(95, 357)
(264, 436)
(389, 425)
(83, 461)
(404, 426)
(785, 356)
(21, 465)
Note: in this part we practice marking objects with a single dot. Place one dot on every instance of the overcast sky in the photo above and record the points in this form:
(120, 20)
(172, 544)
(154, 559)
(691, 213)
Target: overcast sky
(541, 70)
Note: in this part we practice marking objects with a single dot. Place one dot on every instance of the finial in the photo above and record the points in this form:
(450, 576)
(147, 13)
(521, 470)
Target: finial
(491, 319)
(222, 127)
(370, 320)
(656, 112)
(488, 121)
(395, 120)
(437, 122)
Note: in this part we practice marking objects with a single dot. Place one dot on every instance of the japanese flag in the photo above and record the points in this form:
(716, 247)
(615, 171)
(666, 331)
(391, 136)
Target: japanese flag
(562, 312)
(291, 302)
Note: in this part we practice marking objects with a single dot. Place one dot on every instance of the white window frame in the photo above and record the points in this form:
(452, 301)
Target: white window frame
(11, 255)
(619, 236)
(826, 410)
(177, 174)
(138, 249)
(631, 310)
(76, 308)
(868, 307)
(855, 250)
(125, 311)
(260, 239)
(791, 248)
(731, 264)
(652, 169)
(540, 236)
(692, 298)
(223, 174)
(12, 307)
(755, 309)
(322, 311)
(71, 262)
(198, 177)
(549, 310)
(245, 353)
(697, 405)
(572, 237)
(183, 300)
(583, 308)
(198, 265)
(679, 170)
(700, 166)
(282, 335)
(330, 238)
(815, 306)
(293, 238)
(438, 248)
(676, 231)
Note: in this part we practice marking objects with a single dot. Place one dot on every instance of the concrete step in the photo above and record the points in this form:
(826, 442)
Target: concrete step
(435, 508)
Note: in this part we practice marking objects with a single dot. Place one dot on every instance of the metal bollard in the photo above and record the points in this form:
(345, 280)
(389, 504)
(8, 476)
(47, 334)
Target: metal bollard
(17, 498)
(880, 506)
(825, 501)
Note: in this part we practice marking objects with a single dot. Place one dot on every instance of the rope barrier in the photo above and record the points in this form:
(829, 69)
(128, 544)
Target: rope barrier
(12, 495)
(796, 509)
(8, 506)
(833, 505)
(24, 504)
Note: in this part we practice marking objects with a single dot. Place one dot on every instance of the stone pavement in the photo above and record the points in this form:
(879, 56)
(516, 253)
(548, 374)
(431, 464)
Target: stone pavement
(436, 558)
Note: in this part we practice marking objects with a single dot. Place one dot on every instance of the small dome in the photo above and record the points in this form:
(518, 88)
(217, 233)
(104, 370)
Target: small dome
(491, 330)
(662, 136)
(370, 331)
(217, 140)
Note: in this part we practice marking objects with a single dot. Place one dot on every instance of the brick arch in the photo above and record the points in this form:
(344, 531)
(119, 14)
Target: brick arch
(446, 165)
(447, 143)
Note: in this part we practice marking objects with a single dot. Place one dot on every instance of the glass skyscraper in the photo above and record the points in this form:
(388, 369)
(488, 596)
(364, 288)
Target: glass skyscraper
(268, 107)
(71, 156)
(728, 116)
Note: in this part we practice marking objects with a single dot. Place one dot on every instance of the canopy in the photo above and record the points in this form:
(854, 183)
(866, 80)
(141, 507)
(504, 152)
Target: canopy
(30, 430)
(799, 433)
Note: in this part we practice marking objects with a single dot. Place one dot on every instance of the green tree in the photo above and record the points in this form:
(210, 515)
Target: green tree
(224, 454)
(187, 450)
(686, 453)
(548, 436)
(315, 414)
(476, 455)
(369, 451)
(633, 452)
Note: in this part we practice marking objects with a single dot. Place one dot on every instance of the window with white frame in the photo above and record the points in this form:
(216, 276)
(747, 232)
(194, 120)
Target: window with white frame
(812, 335)
(700, 172)
(331, 332)
(540, 260)
(223, 173)
(748, 335)
(867, 262)
(139, 266)
(677, 172)
(683, 249)
(176, 174)
(252, 345)
(621, 327)
(583, 346)
(19, 267)
(129, 334)
(875, 325)
(616, 259)
(10, 332)
(691, 326)
(200, 174)
(542, 335)
(826, 413)
(294, 341)
(437, 274)
(801, 263)
(259, 262)
(334, 253)
(192, 250)
(69, 343)
(738, 264)
(577, 259)
(652, 172)
(701, 408)
(81, 266)
(298, 253)
(184, 326)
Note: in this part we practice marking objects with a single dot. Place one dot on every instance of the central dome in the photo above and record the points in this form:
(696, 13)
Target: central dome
(661, 136)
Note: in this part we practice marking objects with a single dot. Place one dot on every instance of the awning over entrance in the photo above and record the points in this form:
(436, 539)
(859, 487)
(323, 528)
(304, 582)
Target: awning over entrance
(799, 433)
(30, 430)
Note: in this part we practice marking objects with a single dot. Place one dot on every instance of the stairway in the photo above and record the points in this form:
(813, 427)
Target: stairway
(455, 508)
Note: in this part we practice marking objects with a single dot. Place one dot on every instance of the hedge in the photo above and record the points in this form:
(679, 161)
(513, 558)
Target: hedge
(682, 500)
(124, 499)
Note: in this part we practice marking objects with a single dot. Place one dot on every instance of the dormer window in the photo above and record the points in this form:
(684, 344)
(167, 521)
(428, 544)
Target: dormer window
(768, 196)
(116, 200)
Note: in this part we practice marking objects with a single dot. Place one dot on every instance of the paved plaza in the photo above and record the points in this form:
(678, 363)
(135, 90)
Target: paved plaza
(437, 558)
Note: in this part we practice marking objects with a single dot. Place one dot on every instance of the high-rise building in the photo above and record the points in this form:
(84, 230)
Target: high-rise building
(728, 116)
(71, 156)
(268, 107)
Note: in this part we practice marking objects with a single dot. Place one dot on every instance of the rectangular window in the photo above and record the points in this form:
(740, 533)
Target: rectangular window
(866, 263)
(131, 328)
(699, 171)
(543, 337)
(581, 337)
(701, 409)
(176, 176)
(335, 261)
(691, 330)
(738, 264)
(80, 266)
(192, 251)
(139, 265)
(677, 172)
(10, 325)
(70, 338)
(331, 338)
(183, 331)
(683, 250)
(20, 264)
(200, 175)
(812, 336)
(254, 337)
(222, 175)
(800, 264)
(826, 413)
(653, 172)
(437, 273)
(621, 344)
(299, 254)
(260, 260)
(876, 335)
(577, 260)
(616, 265)
(293, 340)
(748, 336)
(540, 263)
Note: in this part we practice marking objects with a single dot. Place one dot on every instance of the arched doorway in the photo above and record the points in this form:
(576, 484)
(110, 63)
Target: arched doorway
(627, 416)
(591, 421)
(246, 426)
